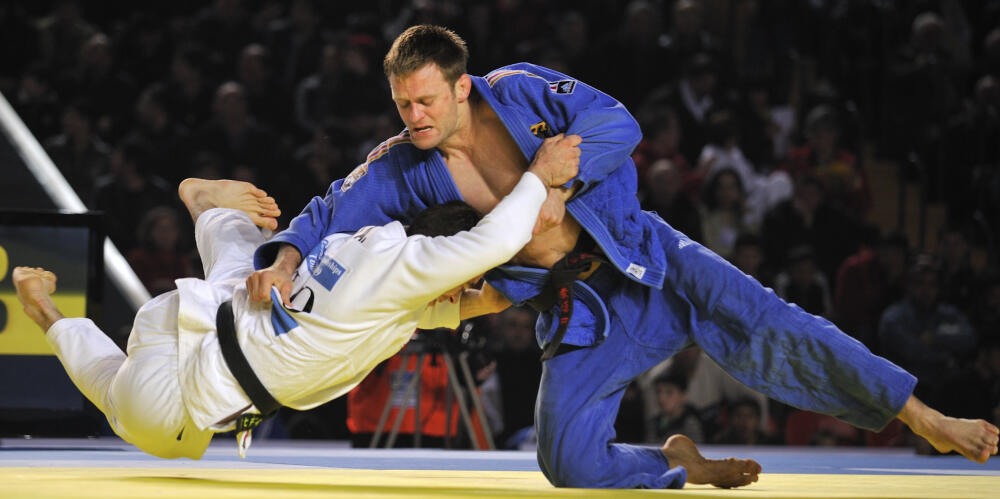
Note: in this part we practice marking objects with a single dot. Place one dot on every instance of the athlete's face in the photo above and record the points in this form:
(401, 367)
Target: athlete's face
(428, 104)
(455, 293)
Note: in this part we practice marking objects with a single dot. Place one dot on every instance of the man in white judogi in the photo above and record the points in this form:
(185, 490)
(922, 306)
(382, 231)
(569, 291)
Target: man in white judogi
(366, 293)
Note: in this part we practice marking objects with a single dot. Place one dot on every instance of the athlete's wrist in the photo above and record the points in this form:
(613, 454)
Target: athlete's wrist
(288, 258)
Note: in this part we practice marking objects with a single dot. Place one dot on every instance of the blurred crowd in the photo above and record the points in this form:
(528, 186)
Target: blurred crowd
(764, 125)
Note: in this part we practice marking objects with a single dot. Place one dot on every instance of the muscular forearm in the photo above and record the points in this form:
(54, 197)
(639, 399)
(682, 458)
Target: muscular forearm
(288, 259)
(475, 303)
(278, 274)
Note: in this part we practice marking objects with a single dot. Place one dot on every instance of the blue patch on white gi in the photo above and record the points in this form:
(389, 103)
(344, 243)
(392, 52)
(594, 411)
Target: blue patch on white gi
(317, 252)
(281, 320)
(327, 272)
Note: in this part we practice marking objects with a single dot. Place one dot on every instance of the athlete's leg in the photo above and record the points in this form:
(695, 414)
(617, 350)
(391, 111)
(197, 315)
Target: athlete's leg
(34, 287)
(227, 237)
(801, 359)
(726, 473)
(94, 359)
(579, 397)
(975, 439)
(201, 195)
(776, 348)
(139, 393)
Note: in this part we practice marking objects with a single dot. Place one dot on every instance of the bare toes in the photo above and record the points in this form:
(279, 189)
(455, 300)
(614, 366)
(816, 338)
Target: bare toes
(266, 222)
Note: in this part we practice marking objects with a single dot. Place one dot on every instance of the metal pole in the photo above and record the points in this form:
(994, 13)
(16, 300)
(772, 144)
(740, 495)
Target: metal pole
(463, 362)
(416, 403)
(448, 403)
(453, 379)
(59, 190)
(385, 412)
(410, 387)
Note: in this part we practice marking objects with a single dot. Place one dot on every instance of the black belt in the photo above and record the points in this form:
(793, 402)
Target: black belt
(559, 291)
(238, 365)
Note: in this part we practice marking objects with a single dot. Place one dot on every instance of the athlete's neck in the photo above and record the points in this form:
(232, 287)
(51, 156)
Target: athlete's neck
(463, 140)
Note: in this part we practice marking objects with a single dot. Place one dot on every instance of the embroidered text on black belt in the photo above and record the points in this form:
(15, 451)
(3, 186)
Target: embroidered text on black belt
(560, 287)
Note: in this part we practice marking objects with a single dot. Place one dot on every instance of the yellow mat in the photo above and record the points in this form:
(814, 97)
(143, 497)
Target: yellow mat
(84, 483)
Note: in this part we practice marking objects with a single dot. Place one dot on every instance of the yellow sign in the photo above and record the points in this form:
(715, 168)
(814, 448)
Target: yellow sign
(21, 336)
(3, 263)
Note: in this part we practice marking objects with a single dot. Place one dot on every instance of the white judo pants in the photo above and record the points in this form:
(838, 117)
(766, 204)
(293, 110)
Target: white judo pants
(140, 392)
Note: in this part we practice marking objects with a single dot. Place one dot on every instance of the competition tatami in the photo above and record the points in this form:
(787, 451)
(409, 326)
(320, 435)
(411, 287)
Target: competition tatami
(108, 468)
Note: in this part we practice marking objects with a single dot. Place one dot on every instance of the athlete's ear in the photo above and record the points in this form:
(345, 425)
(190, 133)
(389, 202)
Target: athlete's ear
(462, 88)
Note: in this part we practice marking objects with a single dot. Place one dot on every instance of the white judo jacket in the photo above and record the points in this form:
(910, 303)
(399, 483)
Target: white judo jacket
(369, 292)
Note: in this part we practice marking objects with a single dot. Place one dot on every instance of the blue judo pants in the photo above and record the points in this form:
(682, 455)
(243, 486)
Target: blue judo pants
(758, 338)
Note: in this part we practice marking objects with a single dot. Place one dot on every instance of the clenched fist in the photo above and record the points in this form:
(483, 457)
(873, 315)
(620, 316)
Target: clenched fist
(557, 161)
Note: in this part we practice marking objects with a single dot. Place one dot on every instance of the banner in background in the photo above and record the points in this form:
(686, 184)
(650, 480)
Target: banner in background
(63, 250)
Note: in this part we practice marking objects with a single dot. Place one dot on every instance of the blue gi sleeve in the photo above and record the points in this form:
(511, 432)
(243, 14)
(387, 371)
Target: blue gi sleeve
(303, 232)
(375, 193)
(949, 333)
(608, 130)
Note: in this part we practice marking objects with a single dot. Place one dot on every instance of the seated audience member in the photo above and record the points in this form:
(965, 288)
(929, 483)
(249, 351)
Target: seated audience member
(723, 210)
(36, 100)
(958, 278)
(809, 218)
(188, 88)
(803, 284)
(128, 192)
(662, 134)
(673, 412)
(748, 256)
(867, 283)
(986, 311)
(243, 142)
(664, 184)
(711, 390)
(759, 129)
(77, 150)
(823, 156)
(255, 71)
(693, 97)
(924, 336)
(742, 424)
(975, 391)
(630, 423)
(320, 161)
(722, 152)
(158, 259)
(167, 139)
(517, 372)
(809, 428)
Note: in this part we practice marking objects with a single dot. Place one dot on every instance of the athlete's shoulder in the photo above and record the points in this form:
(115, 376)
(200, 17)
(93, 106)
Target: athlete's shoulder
(527, 78)
(392, 232)
(378, 245)
(522, 72)
(396, 151)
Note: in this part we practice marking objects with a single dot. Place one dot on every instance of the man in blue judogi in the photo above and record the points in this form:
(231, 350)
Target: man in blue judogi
(620, 289)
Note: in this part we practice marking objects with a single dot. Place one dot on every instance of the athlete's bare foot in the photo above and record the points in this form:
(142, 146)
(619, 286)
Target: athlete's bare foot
(975, 439)
(34, 285)
(725, 473)
(201, 195)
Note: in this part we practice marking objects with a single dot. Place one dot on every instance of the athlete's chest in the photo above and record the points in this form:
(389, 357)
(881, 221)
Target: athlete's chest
(492, 170)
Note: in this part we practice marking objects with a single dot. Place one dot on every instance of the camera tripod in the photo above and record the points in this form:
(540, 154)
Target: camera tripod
(436, 342)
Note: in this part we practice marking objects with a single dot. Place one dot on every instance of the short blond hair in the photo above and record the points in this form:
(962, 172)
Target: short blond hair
(423, 44)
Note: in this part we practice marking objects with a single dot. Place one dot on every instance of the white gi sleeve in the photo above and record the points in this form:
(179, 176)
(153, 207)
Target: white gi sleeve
(436, 265)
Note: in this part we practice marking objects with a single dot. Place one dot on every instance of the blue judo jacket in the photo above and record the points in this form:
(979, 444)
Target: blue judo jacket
(397, 180)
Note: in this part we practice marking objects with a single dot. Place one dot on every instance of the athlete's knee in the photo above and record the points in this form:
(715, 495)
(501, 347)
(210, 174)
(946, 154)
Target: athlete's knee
(573, 467)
